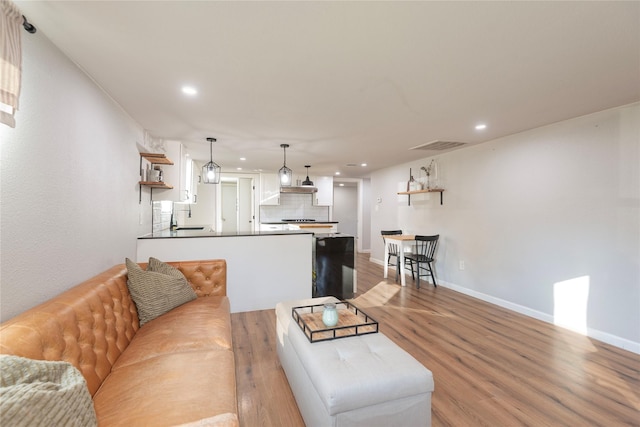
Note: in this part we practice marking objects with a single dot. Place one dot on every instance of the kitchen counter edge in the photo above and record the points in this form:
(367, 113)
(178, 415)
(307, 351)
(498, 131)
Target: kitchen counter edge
(180, 234)
(301, 222)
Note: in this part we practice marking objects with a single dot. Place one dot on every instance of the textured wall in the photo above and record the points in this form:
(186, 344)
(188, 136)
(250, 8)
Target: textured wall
(529, 213)
(69, 194)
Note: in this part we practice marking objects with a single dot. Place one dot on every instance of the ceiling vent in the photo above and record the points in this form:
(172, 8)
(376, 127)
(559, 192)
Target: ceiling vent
(438, 145)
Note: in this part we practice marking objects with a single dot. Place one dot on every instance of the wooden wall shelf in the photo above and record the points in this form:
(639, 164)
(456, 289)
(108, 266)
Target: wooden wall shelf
(155, 184)
(430, 190)
(154, 159)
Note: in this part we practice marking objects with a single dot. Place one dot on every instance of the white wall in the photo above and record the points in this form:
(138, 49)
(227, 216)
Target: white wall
(366, 203)
(69, 193)
(533, 212)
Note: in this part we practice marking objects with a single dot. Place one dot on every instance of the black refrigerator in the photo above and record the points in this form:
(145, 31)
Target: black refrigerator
(333, 265)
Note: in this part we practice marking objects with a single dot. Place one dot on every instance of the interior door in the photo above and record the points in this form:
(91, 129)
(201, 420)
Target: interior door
(229, 208)
(245, 204)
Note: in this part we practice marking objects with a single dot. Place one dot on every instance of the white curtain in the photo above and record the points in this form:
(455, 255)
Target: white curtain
(10, 61)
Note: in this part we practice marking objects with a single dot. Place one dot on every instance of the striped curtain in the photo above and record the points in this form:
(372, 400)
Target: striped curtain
(10, 61)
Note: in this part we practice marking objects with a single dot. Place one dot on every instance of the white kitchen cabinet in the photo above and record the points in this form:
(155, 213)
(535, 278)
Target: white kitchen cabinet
(273, 227)
(324, 196)
(269, 189)
(189, 193)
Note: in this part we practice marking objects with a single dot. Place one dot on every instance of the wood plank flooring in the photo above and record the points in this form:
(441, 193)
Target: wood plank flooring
(491, 366)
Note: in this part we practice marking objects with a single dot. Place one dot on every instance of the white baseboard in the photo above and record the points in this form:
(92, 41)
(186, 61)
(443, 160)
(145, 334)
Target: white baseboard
(605, 337)
(376, 261)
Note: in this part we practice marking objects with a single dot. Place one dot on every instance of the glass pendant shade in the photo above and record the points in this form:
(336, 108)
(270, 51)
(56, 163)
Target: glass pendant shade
(211, 171)
(285, 174)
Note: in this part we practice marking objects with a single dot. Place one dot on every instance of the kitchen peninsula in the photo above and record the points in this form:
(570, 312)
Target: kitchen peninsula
(263, 267)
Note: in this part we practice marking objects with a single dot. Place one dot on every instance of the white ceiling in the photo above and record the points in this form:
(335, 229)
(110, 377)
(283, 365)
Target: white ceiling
(347, 82)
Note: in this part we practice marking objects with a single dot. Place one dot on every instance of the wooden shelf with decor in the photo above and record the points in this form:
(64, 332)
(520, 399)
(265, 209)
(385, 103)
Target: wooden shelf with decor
(153, 159)
(156, 158)
(430, 190)
(156, 184)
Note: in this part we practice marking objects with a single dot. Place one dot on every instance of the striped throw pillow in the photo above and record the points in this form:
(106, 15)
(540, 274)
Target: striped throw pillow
(156, 293)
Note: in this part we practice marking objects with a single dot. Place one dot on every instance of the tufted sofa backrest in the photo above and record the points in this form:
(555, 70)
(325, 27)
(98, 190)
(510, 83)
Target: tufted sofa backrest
(91, 324)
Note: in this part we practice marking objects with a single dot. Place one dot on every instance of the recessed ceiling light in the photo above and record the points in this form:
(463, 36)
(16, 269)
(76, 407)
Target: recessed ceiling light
(481, 126)
(337, 173)
(238, 169)
(189, 90)
(341, 184)
(363, 164)
(243, 158)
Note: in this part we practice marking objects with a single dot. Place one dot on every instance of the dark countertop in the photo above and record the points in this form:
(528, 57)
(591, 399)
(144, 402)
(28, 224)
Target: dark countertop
(302, 222)
(168, 234)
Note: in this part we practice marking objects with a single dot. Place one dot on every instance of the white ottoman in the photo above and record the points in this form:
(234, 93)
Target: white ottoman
(363, 380)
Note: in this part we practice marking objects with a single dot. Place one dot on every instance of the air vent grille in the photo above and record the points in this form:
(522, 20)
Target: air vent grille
(438, 145)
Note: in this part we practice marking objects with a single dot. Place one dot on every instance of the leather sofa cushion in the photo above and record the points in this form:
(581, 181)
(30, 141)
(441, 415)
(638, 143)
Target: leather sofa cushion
(169, 390)
(201, 324)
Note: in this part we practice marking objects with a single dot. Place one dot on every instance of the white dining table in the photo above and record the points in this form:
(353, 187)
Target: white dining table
(403, 241)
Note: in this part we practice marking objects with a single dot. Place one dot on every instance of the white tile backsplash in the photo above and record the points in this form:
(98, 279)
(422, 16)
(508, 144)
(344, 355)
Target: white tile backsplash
(161, 215)
(294, 206)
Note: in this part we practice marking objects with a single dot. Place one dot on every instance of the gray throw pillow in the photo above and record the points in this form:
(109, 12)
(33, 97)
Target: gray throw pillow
(155, 293)
(162, 267)
(43, 393)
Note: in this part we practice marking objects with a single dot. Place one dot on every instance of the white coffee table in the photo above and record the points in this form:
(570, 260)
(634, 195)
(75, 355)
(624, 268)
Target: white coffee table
(364, 380)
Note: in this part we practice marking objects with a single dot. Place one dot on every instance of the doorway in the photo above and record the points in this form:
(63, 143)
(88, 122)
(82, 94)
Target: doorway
(351, 208)
(345, 207)
(236, 213)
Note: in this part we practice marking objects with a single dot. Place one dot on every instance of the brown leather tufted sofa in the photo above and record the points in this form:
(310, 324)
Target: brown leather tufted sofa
(176, 370)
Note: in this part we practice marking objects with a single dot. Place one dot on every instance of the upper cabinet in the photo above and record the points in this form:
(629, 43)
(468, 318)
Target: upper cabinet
(189, 181)
(324, 196)
(269, 189)
(193, 177)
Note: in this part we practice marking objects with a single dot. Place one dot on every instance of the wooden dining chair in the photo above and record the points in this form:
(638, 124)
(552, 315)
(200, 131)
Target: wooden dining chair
(425, 249)
(394, 250)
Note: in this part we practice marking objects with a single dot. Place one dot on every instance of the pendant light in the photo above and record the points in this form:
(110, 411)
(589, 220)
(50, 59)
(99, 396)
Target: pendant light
(211, 171)
(285, 173)
(307, 182)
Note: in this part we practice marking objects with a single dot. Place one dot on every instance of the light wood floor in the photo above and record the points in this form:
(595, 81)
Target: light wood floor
(491, 367)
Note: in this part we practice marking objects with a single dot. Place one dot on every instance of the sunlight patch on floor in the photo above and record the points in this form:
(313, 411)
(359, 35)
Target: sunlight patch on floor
(379, 295)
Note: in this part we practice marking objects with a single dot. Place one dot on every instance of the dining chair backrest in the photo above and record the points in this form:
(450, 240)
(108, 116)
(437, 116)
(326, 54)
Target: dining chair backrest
(393, 248)
(426, 245)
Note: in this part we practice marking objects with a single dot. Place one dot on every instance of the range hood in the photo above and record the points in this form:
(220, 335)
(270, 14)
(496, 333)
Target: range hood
(299, 190)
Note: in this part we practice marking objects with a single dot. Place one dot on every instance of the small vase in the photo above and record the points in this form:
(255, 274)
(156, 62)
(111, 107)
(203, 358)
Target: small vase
(330, 315)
